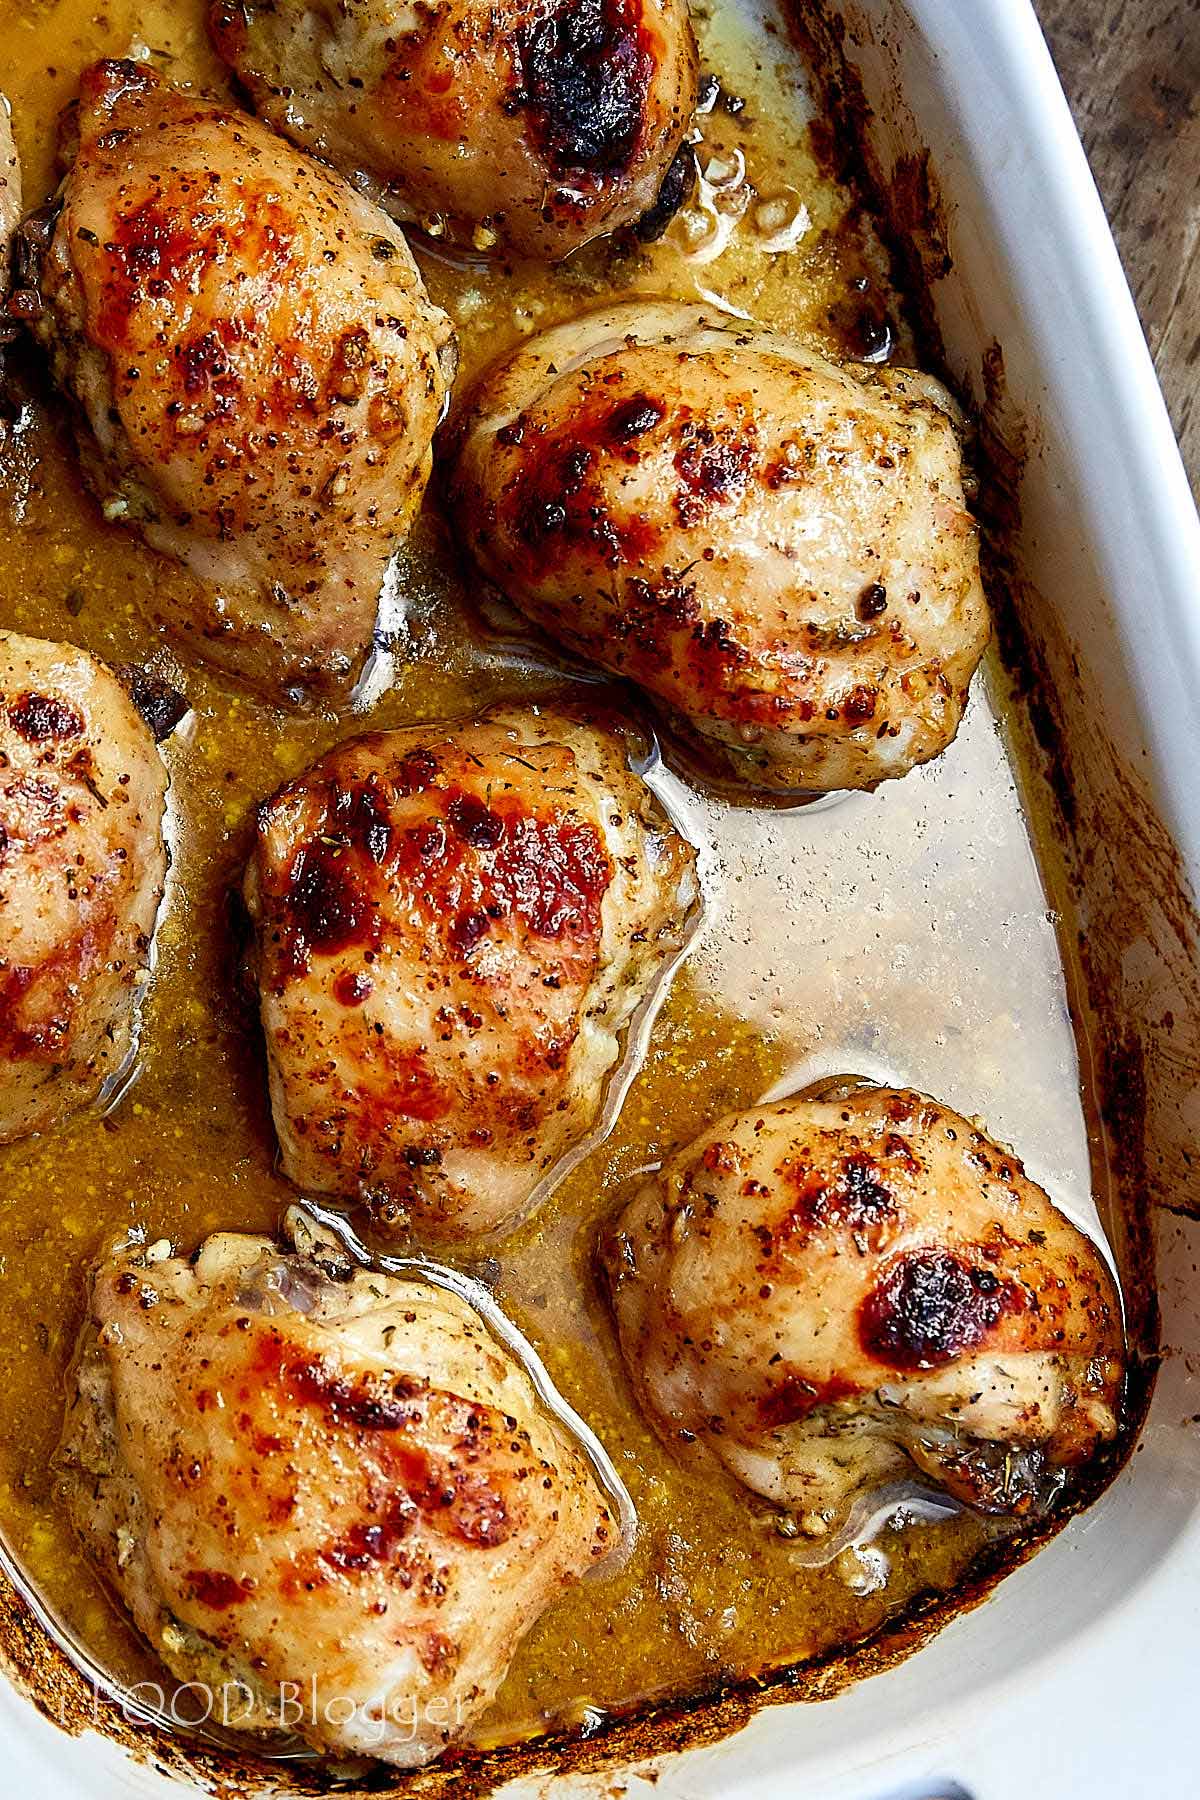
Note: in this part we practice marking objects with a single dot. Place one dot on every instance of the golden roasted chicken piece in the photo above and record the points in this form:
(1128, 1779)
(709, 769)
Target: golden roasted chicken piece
(775, 545)
(455, 926)
(830, 1289)
(329, 1495)
(83, 863)
(257, 368)
(541, 123)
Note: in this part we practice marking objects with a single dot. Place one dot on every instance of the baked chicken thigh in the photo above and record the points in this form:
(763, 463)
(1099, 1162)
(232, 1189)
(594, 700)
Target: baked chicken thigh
(257, 367)
(82, 868)
(330, 1496)
(774, 545)
(541, 123)
(830, 1289)
(454, 925)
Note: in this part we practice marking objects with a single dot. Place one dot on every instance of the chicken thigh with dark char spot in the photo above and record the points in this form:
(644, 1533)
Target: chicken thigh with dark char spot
(774, 545)
(455, 925)
(827, 1290)
(257, 369)
(83, 862)
(541, 123)
(329, 1496)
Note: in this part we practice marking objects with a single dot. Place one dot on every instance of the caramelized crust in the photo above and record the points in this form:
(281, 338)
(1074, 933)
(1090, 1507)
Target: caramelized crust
(541, 122)
(454, 926)
(257, 367)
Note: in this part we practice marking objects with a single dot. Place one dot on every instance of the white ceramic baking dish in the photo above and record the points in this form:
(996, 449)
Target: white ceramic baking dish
(1078, 1675)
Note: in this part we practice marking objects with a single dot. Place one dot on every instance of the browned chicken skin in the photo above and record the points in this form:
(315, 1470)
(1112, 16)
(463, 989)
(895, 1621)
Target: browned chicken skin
(539, 122)
(258, 370)
(329, 1495)
(455, 924)
(775, 545)
(82, 867)
(826, 1290)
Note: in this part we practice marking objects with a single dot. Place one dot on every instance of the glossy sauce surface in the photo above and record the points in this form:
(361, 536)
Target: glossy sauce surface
(902, 935)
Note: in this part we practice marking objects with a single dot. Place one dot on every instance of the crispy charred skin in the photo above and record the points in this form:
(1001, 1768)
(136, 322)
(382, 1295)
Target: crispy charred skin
(454, 925)
(82, 868)
(678, 183)
(299, 1474)
(831, 1288)
(257, 367)
(543, 123)
(775, 546)
(584, 72)
(161, 706)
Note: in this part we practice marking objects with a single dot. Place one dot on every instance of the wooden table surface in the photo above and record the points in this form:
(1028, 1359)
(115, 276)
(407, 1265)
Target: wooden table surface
(1131, 69)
